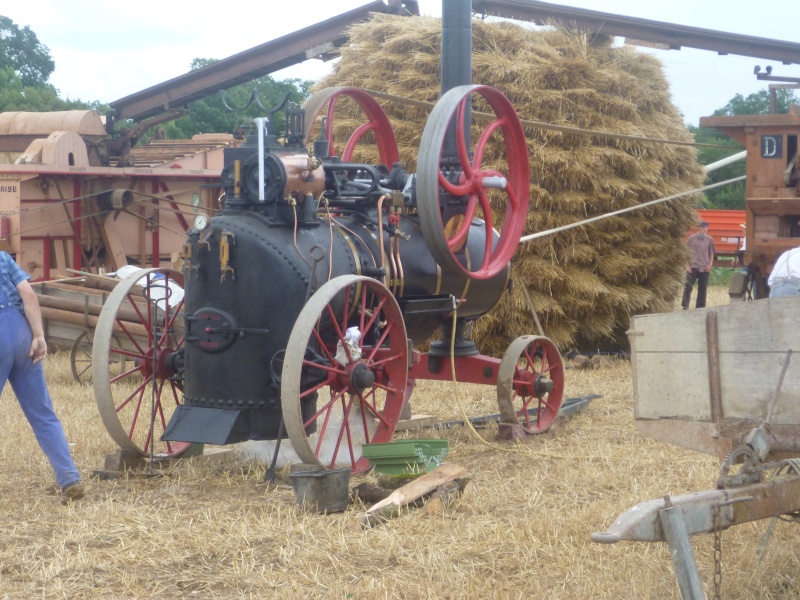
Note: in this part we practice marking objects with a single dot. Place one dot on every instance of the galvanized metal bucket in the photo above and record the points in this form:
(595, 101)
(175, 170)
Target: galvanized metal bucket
(320, 491)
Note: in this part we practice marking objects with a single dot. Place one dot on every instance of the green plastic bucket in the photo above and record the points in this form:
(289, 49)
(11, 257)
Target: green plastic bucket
(403, 457)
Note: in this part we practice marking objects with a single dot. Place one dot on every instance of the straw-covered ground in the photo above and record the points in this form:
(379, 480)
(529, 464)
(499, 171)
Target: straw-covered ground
(520, 531)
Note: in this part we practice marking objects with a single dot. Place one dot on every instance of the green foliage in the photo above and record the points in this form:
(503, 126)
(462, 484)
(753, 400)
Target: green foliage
(209, 115)
(757, 104)
(721, 275)
(22, 51)
(732, 196)
(42, 97)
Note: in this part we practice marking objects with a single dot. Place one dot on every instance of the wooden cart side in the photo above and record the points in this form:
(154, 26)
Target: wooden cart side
(704, 378)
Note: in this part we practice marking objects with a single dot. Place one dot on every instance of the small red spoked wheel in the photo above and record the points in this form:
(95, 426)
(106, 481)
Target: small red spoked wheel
(530, 383)
(376, 122)
(337, 395)
(446, 225)
(144, 315)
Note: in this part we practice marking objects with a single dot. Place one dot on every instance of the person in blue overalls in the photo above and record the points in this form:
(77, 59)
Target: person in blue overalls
(22, 349)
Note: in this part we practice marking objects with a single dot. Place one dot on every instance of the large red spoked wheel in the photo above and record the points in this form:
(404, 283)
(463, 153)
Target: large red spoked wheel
(376, 122)
(336, 398)
(464, 176)
(530, 383)
(137, 403)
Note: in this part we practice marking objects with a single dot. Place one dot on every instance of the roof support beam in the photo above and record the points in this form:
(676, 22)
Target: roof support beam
(669, 35)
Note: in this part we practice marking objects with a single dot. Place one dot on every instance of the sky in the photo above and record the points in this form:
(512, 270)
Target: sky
(108, 50)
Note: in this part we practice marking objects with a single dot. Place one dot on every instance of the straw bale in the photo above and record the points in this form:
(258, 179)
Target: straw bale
(587, 281)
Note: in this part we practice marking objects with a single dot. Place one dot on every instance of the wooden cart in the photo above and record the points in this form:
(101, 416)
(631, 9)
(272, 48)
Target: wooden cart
(722, 381)
(702, 379)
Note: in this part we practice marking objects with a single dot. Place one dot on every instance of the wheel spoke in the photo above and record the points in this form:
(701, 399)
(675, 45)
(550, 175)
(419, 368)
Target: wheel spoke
(347, 153)
(456, 189)
(340, 412)
(477, 159)
(461, 144)
(457, 241)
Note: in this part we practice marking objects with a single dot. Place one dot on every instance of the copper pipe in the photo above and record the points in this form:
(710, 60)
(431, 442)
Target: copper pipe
(394, 265)
(399, 264)
(380, 237)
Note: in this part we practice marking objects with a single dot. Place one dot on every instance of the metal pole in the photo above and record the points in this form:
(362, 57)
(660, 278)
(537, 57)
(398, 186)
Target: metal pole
(725, 161)
(456, 67)
(260, 125)
(680, 548)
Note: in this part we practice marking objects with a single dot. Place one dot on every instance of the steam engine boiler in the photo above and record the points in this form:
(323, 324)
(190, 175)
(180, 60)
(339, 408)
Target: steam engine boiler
(292, 223)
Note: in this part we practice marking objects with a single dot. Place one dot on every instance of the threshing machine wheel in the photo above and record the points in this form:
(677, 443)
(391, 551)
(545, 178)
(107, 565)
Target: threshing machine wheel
(377, 123)
(136, 404)
(338, 393)
(80, 358)
(530, 383)
(464, 176)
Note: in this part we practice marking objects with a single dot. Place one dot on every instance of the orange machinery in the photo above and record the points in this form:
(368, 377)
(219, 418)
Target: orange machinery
(727, 229)
(63, 206)
(772, 192)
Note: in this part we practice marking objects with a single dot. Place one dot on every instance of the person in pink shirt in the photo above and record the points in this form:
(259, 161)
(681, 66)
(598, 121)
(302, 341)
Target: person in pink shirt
(699, 267)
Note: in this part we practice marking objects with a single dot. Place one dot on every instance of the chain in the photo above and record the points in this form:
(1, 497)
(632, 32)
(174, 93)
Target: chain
(717, 552)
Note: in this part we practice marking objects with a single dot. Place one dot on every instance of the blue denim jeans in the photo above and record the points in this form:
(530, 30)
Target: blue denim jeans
(29, 385)
(785, 286)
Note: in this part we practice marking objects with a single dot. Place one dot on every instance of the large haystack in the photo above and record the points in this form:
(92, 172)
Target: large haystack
(585, 283)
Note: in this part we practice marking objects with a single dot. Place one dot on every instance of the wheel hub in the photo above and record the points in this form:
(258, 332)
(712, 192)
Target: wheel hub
(163, 363)
(543, 385)
(361, 378)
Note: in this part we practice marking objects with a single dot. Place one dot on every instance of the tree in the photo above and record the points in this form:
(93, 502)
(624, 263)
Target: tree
(43, 97)
(733, 196)
(757, 104)
(22, 51)
(210, 115)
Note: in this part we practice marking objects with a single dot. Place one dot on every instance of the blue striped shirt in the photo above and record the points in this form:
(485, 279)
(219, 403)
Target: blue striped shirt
(10, 277)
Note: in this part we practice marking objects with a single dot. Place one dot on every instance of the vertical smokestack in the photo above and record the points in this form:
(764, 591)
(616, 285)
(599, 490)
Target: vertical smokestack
(456, 58)
(456, 43)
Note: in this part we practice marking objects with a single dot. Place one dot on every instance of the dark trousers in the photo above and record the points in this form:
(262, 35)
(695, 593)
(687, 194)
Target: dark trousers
(701, 277)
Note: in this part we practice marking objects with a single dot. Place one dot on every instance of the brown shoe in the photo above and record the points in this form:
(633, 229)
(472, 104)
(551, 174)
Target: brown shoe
(72, 492)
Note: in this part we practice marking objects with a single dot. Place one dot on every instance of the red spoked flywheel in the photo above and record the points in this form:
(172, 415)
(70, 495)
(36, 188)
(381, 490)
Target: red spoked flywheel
(376, 122)
(464, 179)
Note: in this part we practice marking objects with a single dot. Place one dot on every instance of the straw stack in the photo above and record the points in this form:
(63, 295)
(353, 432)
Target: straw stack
(586, 282)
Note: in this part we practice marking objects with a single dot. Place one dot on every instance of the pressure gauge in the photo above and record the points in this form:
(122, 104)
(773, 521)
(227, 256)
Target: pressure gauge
(200, 221)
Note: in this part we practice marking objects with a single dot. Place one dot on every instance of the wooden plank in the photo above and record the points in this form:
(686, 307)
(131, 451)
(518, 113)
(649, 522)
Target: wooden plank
(417, 422)
(695, 435)
(411, 491)
(672, 385)
(112, 236)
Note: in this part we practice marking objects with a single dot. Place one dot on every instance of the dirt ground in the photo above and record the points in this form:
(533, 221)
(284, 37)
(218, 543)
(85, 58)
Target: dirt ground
(521, 530)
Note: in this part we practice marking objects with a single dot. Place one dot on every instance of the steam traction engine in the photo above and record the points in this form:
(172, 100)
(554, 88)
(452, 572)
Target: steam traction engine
(306, 293)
